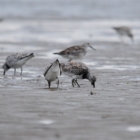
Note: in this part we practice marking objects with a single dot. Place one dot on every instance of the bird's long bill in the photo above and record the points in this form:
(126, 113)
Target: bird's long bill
(92, 48)
(4, 72)
(132, 39)
(93, 85)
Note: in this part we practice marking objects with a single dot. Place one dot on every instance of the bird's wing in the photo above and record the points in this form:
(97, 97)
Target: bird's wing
(24, 55)
(46, 70)
(72, 50)
(76, 68)
(14, 58)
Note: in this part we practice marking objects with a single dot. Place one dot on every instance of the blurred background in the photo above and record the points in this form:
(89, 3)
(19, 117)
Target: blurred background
(66, 21)
(77, 9)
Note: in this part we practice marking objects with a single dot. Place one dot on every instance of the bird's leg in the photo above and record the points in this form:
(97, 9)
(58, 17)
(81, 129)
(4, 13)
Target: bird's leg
(132, 39)
(77, 82)
(72, 82)
(14, 71)
(58, 83)
(21, 72)
(122, 39)
(49, 84)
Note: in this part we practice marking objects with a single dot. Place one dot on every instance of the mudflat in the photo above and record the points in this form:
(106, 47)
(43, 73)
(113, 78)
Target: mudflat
(31, 111)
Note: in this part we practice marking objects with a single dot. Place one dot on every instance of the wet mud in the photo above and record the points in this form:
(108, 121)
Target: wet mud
(31, 111)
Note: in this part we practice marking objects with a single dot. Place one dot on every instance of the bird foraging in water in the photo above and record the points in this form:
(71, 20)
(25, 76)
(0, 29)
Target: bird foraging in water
(75, 52)
(124, 31)
(15, 61)
(53, 72)
(78, 70)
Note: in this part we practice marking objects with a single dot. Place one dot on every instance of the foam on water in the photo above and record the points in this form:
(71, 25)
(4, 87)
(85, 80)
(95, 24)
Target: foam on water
(46, 122)
(133, 128)
(54, 31)
(120, 67)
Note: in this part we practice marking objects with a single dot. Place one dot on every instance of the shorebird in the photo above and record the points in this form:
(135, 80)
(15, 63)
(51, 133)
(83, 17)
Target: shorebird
(1, 19)
(53, 72)
(78, 70)
(75, 52)
(124, 31)
(16, 60)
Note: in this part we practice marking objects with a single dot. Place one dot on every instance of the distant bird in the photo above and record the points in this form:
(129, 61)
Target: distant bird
(16, 60)
(75, 52)
(53, 72)
(124, 31)
(1, 19)
(78, 70)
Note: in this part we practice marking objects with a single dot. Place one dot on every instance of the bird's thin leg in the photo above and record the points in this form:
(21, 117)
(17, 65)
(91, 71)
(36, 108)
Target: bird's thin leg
(132, 39)
(21, 72)
(58, 83)
(14, 71)
(72, 82)
(121, 38)
(77, 82)
(49, 84)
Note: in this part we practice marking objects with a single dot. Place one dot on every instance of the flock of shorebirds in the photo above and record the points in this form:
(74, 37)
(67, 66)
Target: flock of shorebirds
(75, 70)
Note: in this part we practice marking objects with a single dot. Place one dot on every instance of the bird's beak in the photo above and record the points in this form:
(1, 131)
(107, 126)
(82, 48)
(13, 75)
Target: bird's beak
(92, 48)
(132, 39)
(93, 85)
(4, 73)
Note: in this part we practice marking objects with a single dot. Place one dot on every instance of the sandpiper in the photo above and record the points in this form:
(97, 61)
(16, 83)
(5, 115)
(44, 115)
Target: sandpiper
(78, 70)
(53, 72)
(16, 60)
(75, 52)
(124, 31)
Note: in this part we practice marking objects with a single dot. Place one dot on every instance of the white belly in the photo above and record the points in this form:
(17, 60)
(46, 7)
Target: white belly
(20, 63)
(52, 75)
(78, 56)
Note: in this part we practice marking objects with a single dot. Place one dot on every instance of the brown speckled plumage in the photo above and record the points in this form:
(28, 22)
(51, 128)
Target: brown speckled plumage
(124, 31)
(78, 70)
(75, 52)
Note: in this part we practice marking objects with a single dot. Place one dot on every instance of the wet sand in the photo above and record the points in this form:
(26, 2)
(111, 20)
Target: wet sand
(31, 111)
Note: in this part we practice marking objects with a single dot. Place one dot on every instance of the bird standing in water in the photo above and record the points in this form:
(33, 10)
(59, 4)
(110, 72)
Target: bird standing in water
(78, 70)
(53, 72)
(124, 31)
(75, 52)
(16, 60)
